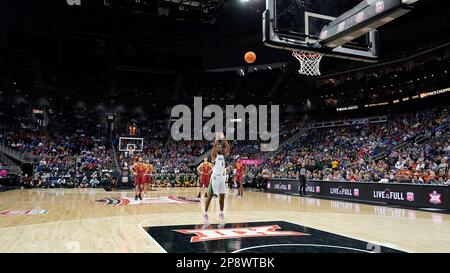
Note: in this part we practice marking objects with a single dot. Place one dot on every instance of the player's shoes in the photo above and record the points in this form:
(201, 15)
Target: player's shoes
(198, 196)
(221, 218)
(140, 197)
(135, 198)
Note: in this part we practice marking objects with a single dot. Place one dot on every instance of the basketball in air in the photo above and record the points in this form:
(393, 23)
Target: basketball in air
(250, 57)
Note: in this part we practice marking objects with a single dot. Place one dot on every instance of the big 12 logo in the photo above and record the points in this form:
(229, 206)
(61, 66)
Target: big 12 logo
(73, 2)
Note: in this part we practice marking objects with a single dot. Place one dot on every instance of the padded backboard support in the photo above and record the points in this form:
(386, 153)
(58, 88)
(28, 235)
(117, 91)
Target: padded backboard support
(317, 26)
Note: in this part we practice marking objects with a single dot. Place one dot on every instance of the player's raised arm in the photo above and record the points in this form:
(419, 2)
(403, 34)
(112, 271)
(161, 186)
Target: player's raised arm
(227, 147)
(214, 150)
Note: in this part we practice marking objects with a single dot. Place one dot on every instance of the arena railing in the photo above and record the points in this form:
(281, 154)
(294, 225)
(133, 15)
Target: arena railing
(349, 122)
(11, 167)
(22, 157)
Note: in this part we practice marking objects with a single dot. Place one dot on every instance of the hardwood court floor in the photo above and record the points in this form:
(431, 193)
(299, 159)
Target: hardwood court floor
(75, 222)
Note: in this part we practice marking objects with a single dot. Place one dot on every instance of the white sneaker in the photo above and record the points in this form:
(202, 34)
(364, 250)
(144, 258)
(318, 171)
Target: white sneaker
(221, 217)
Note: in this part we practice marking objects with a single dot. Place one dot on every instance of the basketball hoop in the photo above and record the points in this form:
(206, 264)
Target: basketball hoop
(309, 62)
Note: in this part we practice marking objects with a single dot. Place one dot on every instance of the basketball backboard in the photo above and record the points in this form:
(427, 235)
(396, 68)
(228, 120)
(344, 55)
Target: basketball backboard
(336, 28)
(135, 143)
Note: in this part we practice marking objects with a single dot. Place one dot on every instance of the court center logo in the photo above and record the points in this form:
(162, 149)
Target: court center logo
(256, 237)
(235, 123)
(233, 233)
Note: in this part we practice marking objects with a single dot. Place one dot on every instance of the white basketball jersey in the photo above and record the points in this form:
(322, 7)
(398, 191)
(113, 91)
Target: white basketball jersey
(219, 165)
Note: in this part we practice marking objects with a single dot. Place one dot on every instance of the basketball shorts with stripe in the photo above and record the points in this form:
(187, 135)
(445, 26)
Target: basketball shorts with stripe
(217, 185)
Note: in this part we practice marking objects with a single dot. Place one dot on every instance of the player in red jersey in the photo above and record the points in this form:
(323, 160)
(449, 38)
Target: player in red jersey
(138, 170)
(239, 176)
(147, 176)
(205, 170)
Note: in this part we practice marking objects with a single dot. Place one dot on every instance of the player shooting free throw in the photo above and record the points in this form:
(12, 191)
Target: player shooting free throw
(217, 185)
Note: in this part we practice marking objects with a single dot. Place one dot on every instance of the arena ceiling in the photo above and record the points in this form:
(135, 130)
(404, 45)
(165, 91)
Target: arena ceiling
(196, 34)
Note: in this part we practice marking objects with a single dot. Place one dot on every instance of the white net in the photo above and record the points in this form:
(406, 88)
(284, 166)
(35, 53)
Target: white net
(309, 62)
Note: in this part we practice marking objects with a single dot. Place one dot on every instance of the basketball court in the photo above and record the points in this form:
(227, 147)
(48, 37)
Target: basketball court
(169, 220)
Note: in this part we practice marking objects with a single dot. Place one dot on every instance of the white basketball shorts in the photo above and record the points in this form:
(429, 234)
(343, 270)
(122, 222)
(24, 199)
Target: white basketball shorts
(217, 185)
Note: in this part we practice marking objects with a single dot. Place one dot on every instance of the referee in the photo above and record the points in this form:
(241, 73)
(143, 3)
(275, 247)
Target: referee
(302, 178)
